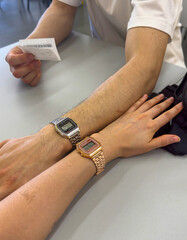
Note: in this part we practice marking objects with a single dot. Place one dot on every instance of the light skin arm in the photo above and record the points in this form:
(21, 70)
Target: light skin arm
(56, 22)
(54, 188)
(57, 186)
(146, 47)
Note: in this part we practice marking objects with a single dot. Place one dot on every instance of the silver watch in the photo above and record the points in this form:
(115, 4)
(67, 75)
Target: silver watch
(67, 128)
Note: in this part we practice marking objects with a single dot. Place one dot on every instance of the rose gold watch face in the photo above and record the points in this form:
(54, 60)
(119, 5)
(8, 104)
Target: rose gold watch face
(89, 145)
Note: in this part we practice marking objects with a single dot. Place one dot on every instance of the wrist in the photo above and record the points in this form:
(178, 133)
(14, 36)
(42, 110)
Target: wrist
(108, 148)
(56, 143)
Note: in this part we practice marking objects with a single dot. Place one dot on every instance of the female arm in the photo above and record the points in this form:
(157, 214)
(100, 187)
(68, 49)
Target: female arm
(31, 211)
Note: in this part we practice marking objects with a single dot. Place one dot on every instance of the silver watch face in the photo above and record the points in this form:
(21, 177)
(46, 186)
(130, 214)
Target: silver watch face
(66, 126)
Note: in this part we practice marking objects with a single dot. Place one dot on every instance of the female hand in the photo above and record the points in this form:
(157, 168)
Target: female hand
(133, 132)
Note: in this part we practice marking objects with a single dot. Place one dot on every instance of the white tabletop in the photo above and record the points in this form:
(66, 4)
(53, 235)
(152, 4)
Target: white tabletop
(139, 198)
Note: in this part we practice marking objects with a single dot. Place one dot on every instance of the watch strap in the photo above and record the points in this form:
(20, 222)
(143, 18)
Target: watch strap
(99, 161)
(97, 156)
(57, 120)
(75, 138)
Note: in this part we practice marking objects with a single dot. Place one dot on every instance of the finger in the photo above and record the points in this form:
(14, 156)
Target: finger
(22, 71)
(30, 77)
(159, 108)
(163, 141)
(17, 57)
(150, 103)
(3, 143)
(137, 104)
(167, 116)
(36, 80)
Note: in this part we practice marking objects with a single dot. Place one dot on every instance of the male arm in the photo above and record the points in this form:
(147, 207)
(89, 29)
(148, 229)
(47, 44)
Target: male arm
(144, 50)
(57, 186)
(108, 102)
(56, 22)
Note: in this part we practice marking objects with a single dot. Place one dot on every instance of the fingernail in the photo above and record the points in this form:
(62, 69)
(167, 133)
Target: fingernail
(161, 95)
(171, 99)
(176, 139)
(144, 96)
(180, 104)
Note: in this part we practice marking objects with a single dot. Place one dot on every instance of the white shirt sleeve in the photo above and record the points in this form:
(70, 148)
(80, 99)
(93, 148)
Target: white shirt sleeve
(163, 15)
(74, 3)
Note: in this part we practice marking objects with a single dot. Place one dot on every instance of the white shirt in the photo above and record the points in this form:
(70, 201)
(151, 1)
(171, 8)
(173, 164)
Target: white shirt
(110, 20)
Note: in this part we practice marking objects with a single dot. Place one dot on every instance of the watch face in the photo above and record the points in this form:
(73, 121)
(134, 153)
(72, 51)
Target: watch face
(89, 145)
(67, 126)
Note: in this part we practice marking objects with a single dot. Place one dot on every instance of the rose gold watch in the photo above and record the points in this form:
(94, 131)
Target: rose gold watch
(90, 148)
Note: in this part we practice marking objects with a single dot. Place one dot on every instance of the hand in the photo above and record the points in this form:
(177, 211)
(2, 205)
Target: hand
(133, 132)
(24, 158)
(24, 66)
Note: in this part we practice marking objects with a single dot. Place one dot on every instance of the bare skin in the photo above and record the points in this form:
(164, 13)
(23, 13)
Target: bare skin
(57, 16)
(57, 186)
(144, 50)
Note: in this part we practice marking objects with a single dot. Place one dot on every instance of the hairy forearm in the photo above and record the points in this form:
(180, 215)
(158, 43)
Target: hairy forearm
(145, 49)
(113, 97)
(24, 214)
(56, 22)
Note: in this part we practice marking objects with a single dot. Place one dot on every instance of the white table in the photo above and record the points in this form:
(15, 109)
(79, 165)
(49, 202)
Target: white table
(139, 198)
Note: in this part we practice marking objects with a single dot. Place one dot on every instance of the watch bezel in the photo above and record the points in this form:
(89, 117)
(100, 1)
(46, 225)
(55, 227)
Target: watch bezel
(93, 150)
(64, 121)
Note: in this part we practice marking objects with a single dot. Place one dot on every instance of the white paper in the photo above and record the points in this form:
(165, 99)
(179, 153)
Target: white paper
(41, 48)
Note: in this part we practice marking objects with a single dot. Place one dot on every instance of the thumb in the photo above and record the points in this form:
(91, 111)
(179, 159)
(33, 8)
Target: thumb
(16, 50)
(163, 141)
(16, 57)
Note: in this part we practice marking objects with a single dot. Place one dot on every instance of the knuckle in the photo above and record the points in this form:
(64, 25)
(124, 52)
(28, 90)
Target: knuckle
(159, 107)
(149, 104)
(16, 74)
(6, 58)
(151, 125)
(12, 69)
(26, 80)
(9, 58)
(3, 172)
(33, 65)
(39, 76)
(139, 117)
(30, 67)
(168, 114)
(34, 83)
(137, 103)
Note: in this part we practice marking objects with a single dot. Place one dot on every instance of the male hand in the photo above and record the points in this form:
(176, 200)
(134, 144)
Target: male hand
(132, 134)
(24, 66)
(24, 158)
